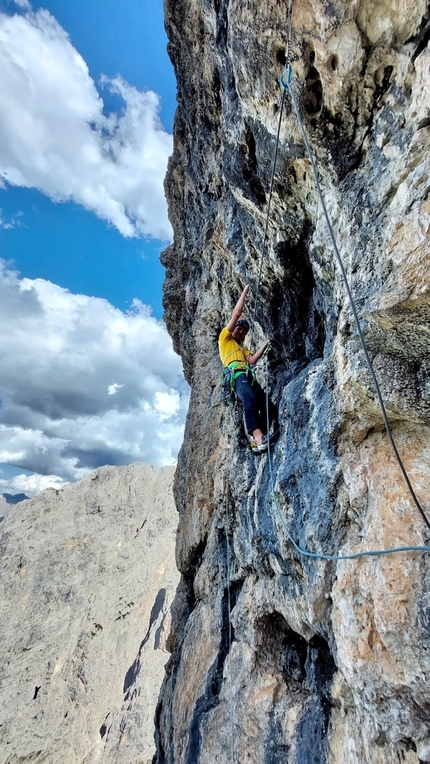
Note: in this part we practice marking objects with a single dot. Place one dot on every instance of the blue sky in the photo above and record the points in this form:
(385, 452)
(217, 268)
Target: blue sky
(126, 38)
(63, 242)
(87, 371)
(70, 246)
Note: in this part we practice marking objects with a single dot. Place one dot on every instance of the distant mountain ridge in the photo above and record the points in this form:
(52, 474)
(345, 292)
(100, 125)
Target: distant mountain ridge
(14, 498)
(87, 577)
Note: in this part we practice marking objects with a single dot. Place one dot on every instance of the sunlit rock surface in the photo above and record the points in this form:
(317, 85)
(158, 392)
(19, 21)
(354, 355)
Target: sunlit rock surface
(326, 661)
(87, 579)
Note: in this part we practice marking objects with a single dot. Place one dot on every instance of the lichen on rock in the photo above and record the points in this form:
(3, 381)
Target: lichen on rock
(278, 657)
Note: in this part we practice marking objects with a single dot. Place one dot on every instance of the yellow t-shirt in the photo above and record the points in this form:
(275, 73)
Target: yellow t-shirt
(230, 350)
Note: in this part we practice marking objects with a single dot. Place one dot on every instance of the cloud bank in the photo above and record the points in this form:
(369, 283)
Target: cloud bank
(83, 384)
(55, 136)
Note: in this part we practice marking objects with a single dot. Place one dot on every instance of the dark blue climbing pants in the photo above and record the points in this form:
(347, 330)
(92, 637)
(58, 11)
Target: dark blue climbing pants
(253, 399)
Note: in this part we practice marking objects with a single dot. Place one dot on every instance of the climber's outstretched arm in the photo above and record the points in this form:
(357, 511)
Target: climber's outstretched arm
(252, 359)
(237, 312)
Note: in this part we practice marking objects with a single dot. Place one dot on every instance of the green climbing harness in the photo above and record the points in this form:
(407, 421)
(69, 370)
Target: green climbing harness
(231, 372)
(229, 375)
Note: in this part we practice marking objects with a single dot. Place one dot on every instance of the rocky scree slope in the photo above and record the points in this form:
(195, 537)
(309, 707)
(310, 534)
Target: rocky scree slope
(87, 575)
(327, 662)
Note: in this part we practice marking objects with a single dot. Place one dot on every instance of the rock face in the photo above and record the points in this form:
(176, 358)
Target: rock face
(4, 508)
(87, 578)
(278, 657)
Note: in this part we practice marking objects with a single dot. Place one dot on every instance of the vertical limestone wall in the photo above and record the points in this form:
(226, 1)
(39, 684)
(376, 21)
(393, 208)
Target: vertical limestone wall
(325, 661)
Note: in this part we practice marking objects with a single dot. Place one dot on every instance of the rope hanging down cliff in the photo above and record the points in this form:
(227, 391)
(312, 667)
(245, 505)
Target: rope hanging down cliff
(286, 83)
(272, 177)
(230, 685)
(330, 557)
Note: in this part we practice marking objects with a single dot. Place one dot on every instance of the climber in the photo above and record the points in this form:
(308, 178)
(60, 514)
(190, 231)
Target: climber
(238, 358)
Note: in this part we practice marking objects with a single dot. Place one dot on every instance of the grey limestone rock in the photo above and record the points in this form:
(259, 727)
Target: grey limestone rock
(278, 657)
(87, 578)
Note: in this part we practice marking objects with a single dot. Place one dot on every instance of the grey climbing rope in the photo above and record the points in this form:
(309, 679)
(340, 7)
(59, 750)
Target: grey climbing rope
(266, 226)
(289, 31)
(230, 687)
(317, 555)
(286, 85)
(272, 175)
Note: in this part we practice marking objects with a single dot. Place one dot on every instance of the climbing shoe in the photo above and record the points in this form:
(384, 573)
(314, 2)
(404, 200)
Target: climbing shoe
(255, 448)
(261, 447)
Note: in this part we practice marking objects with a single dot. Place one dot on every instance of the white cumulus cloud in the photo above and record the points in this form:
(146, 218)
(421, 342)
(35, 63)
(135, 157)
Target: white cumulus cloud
(31, 485)
(82, 383)
(56, 137)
